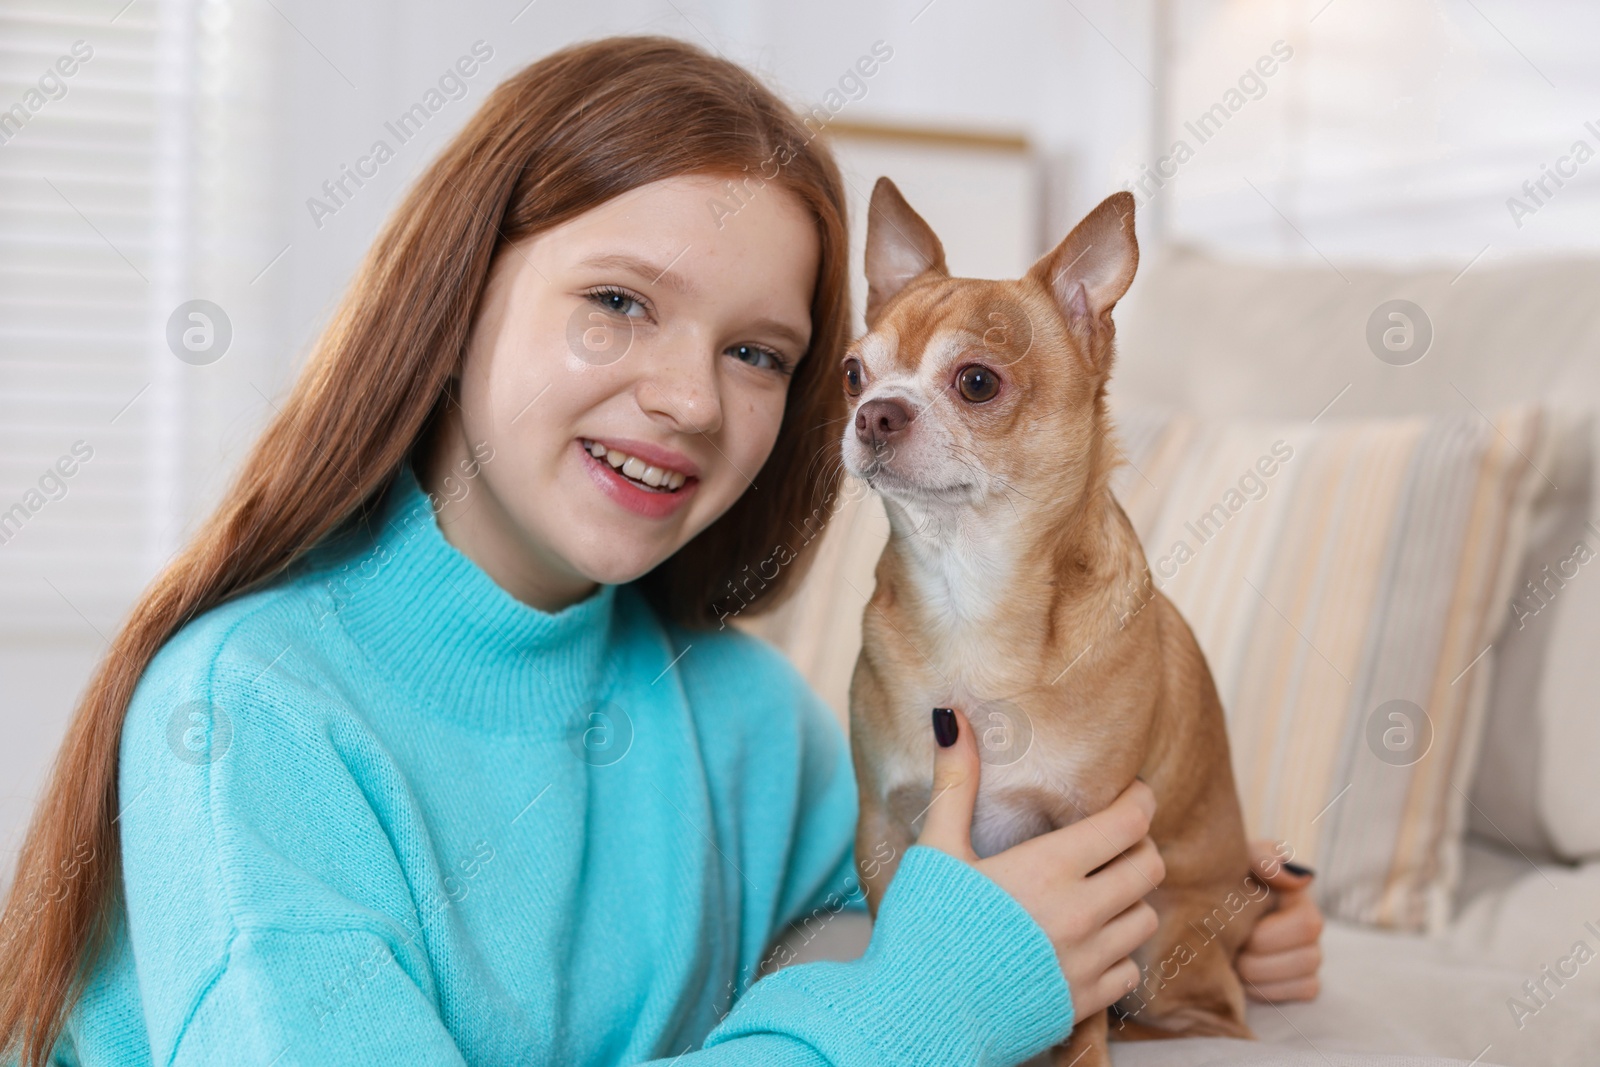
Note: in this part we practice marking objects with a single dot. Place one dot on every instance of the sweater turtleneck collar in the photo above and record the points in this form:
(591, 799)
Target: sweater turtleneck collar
(434, 622)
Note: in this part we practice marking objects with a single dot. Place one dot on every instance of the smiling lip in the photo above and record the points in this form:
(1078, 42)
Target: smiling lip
(652, 504)
(655, 455)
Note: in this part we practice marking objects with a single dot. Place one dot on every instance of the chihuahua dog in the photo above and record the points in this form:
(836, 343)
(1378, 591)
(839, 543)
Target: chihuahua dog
(1014, 587)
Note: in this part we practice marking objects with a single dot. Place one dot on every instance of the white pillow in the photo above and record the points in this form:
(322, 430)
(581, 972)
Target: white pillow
(1227, 339)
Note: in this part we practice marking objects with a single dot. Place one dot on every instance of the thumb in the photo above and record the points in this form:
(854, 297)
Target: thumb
(1269, 860)
(948, 827)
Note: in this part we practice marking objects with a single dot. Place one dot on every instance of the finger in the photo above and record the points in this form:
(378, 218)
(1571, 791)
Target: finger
(1289, 928)
(1125, 880)
(1094, 841)
(1270, 861)
(955, 786)
(1124, 933)
(1301, 989)
(1118, 981)
(1290, 966)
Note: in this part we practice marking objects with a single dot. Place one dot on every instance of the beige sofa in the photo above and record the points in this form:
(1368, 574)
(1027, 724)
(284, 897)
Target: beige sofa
(1227, 340)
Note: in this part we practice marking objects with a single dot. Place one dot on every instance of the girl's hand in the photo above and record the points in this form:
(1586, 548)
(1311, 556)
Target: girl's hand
(1280, 960)
(1095, 920)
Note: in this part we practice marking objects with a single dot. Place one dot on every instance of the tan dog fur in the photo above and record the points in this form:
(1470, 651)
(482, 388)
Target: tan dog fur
(1014, 587)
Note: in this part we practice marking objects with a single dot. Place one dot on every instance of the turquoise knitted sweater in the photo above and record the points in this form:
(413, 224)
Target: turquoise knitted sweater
(382, 812)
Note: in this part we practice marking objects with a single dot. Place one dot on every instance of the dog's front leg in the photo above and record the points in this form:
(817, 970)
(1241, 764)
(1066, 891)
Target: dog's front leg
(1189, 986)
(881, 842)
(1086, 1047)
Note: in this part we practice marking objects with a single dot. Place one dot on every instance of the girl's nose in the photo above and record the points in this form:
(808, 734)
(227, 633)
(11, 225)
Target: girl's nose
(679, 383)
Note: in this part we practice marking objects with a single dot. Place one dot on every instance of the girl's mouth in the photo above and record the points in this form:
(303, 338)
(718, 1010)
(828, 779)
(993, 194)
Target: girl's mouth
(645, 489)
(650, 478)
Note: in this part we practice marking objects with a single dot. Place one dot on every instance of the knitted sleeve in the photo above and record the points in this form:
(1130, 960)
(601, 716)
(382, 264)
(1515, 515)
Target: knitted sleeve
(957, 972)
(276, 916)
(267, 909)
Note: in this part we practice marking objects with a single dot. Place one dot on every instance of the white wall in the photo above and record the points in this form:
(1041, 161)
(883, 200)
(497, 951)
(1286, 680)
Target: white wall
(956, 64)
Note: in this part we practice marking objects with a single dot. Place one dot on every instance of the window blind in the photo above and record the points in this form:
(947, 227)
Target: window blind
(130, 144)
(79, 273)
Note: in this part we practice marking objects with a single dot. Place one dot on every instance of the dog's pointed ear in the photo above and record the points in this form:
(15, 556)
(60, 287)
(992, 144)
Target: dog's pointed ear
(1092, 267)
(900, 246)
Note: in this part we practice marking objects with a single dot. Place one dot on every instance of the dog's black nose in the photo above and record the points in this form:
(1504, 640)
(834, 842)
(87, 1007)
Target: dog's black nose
(879, 420)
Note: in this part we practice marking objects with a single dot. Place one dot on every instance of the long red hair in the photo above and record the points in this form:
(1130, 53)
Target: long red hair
(558, 138)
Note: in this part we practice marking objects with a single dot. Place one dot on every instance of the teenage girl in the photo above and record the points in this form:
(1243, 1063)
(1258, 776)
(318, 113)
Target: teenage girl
(426, 749)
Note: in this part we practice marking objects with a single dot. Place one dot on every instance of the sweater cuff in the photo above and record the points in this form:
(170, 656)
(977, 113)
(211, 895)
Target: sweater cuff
(956, 972)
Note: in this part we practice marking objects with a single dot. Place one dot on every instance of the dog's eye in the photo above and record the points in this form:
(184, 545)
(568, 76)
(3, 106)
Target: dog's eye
(977, 383)
(852, 377)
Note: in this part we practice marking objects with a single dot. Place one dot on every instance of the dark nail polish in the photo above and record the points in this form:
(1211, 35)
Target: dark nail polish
(1295, 868)
(945, 730)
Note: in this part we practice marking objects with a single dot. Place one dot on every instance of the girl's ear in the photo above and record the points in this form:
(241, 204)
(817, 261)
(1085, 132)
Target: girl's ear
(900, 246)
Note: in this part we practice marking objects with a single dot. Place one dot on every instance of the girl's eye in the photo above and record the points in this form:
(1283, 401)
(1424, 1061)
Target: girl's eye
(852, 377)
(617, 300)
(977, 383)
(754, 354)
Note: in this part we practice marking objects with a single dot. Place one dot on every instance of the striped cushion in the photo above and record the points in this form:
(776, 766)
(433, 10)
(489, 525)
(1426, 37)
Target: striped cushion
(1346, 581)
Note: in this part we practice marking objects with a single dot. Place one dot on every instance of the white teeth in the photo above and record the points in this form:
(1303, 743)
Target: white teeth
(636, 468)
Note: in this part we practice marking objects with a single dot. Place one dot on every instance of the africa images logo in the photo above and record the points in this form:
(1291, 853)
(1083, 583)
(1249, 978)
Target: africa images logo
(451, 85)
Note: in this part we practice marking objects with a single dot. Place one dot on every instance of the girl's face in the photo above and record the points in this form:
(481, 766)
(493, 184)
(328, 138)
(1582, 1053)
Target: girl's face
(657, 331)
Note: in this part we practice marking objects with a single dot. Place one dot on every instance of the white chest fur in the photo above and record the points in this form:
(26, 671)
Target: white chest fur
(1031, 771)
(961, 568)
